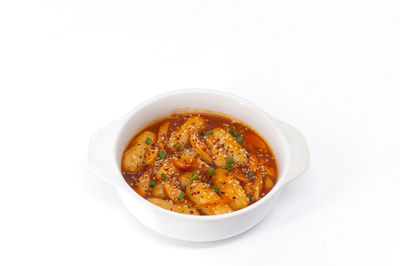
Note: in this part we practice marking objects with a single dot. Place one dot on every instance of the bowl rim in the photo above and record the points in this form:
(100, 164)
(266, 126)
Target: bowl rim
(122, 122)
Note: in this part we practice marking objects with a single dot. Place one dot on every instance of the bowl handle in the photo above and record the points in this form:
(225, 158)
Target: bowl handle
(102, 153)
(299, 155)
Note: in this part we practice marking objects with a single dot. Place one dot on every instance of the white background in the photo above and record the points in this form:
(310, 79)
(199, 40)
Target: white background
(330, 68)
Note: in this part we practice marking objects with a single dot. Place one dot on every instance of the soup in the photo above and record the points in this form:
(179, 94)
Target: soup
(199, 164)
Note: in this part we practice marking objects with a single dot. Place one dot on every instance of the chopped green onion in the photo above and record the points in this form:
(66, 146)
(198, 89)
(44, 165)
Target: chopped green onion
(234, 133)
(215, 188)
(180, 196)
(250, 174)
(153, 184)
(161, 154)
(249, 196)
(194, 177)
(229, 160)
(208, 132)
(163, 177)
(148, 141)
(247, 149)
(211, 171)
(228, 167)
(178, 146)
(239, 139)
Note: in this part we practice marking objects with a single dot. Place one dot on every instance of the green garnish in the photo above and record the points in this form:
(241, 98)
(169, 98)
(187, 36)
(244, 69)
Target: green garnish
(239, 139)
(161, 154)
(148, 141)
(250, 174)
(208, 132)
(153, 184)
(211, 171)
(180, 196)
(234, 133)
(228, 167)
(194, 177)
(178, 146)
(215, 188)
(163, 177)
(249, 196)
(247, 149)
(229, 160)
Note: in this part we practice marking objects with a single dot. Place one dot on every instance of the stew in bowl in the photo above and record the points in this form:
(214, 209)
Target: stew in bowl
(199, 164)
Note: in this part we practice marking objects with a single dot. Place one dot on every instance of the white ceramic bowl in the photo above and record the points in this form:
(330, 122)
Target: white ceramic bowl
(108, 144)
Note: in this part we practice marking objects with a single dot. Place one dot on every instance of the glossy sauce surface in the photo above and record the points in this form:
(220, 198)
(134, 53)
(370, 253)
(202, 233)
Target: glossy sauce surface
(213, 165)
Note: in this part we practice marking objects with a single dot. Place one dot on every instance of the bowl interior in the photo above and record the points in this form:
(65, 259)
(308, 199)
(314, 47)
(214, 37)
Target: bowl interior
(193, 100)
